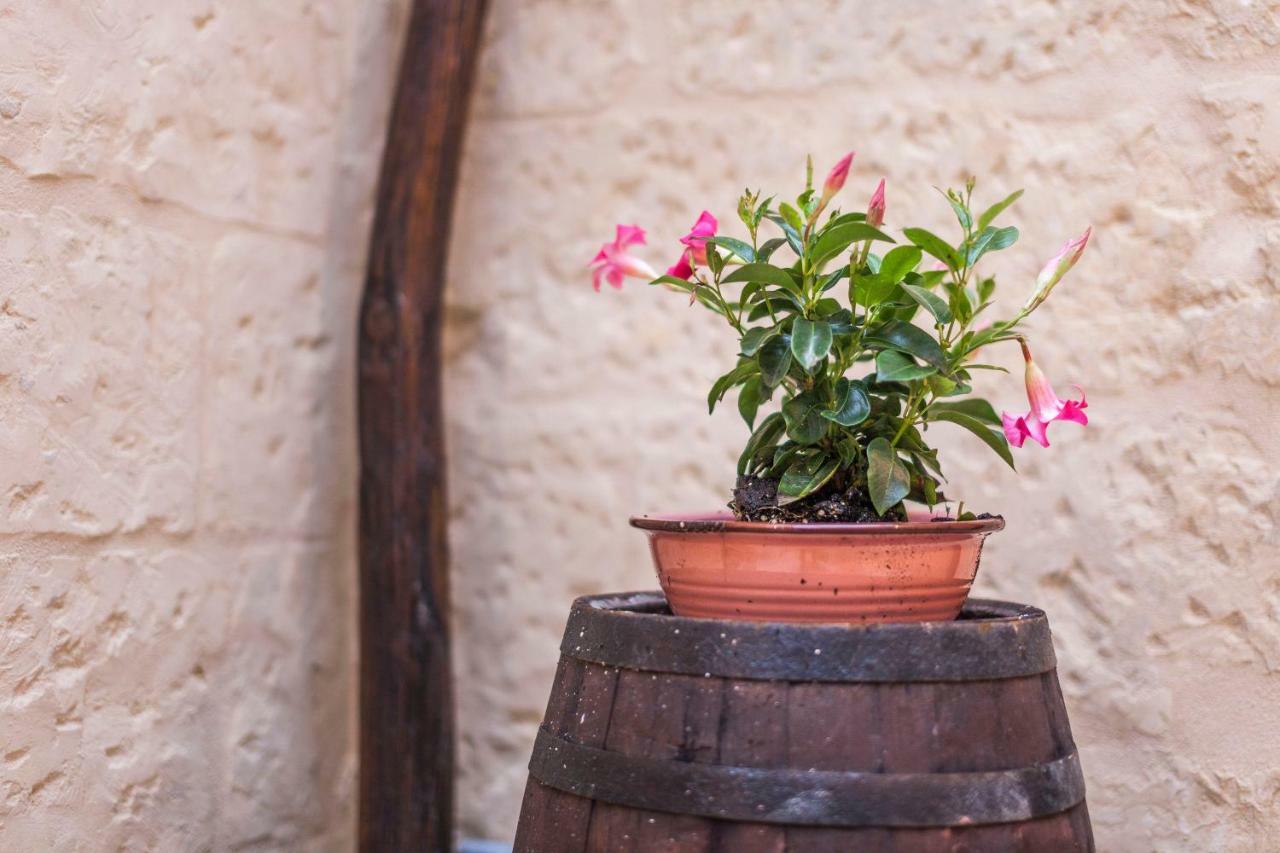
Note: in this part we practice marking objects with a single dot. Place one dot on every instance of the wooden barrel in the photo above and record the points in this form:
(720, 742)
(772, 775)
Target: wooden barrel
(672, 734)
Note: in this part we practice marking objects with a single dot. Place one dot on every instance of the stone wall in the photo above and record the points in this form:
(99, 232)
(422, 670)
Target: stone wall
(1149, 537)
(184, 200)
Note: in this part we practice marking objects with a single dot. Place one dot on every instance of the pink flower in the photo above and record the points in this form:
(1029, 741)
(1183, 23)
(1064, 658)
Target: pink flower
(835, 179)
(696, 239)
(1046, 408)
(682, 268)
(1056, 268)
(696, 246)
(613, 262)
(875, 208)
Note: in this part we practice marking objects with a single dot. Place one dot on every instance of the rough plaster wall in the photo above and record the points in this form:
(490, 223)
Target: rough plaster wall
(184, 197)
(1150, 538)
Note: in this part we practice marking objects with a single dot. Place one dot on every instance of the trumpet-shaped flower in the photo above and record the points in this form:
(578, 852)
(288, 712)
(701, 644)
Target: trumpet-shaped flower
(695, 246)
(1056, 268)
(875, 208)
(615, 262)
(1046, 407)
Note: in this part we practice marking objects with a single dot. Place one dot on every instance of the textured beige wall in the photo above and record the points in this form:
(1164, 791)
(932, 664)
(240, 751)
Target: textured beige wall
(184, 198)
(1150, 538)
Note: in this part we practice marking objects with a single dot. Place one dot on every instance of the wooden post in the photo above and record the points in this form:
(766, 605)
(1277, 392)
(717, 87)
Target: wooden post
(406, 692)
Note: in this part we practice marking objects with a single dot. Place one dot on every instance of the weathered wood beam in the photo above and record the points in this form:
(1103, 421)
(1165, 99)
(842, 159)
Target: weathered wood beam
(406, 690)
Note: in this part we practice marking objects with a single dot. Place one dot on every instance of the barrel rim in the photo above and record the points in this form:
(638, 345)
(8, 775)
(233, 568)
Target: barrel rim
(722, 523)
(634, 630)
(808, 797)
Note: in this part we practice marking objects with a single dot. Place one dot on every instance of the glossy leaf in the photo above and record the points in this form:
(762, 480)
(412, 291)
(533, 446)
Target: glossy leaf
(930, 301)
(806, 476)
(749, 399)
(893, 366)
(899, 261)
(738, 247)
(909, 339)
(766, 273)
(888, 480)
(934, 245)
(734, 377)
(990, 240)
(755, 338)
(769, 431)
(852, 404)
(672, 281)
(810, 342)
(775, 359)
(803, 414)
(990, 437)
(989, 215)
(975, 407)
(836, 240)
(768, 247)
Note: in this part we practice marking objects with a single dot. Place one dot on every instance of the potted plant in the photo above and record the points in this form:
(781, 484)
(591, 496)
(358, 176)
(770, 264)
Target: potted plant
(851, 346)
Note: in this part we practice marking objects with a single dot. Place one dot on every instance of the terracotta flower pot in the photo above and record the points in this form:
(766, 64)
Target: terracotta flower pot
(714, 567)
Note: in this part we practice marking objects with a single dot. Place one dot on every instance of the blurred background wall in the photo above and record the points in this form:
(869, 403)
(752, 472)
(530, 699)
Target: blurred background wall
(1148, 537)
(184, 201)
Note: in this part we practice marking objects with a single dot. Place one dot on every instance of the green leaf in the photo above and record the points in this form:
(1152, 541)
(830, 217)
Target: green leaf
(991, 240)
(714, 261)
(993, 439)
(893, 366)
(870, 290)
(974, 407)
(986, 287)
(996, 209)
(930, 302)
(852, 404)
(672, 281)
(888, 480)
(841, 322)
(734, 377)
(961, 307)
(803, 414)
(835, 240)
(775, 359)
(806, 476)
(791, 216)
(777, 301)
(830, 280)
(934, 245)
(909, 339)
(749, 399)
(962, 214)
(899, 261)
(766, 273)
(767, 433)
(843, 218)
(768, 247)
(738, 247)
(755, 338)
(810, 342)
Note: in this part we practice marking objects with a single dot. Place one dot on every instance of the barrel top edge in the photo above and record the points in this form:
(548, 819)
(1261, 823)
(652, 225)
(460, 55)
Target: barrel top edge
(653, 604)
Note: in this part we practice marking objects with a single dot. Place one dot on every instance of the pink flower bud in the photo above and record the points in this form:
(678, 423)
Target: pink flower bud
(835, 178)
(875, 208)
(1056, 268)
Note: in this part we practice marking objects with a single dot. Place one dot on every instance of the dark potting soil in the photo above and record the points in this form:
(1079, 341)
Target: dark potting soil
(756, 499)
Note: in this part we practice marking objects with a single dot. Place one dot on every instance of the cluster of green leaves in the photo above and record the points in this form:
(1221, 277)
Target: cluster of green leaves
(858, 381)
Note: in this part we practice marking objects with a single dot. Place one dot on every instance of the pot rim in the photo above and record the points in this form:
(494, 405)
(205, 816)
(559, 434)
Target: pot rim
(723, 522)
